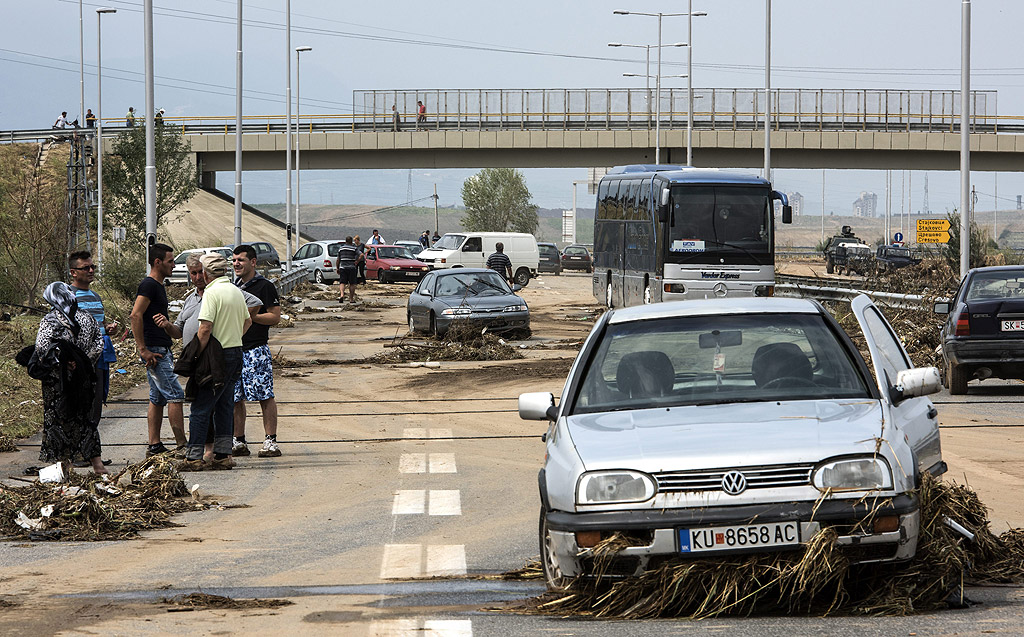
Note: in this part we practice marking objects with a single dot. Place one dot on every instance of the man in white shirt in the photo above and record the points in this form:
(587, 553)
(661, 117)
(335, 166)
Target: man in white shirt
(376, 239)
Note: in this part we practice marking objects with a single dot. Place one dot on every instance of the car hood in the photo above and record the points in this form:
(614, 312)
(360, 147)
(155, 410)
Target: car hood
(728, 435)
(404, 263)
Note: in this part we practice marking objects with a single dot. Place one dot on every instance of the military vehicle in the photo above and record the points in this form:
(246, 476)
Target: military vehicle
(893, 258)
(845, 251)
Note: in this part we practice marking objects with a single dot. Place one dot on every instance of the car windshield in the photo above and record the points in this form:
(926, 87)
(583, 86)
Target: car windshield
(576, 251)
(472, 284)
(703, 360)
(394, 252)
(450, 242)
(1002, 284)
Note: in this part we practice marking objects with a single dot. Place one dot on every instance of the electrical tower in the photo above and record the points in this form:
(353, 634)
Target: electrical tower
(79, 194)
(924, 205)
(408, 188)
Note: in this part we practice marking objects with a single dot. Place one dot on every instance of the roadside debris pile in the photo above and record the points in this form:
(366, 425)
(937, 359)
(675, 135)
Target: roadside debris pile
(7, 444)
(87, 508)
(918, 330)
(202, 601)
(460, 343)
(820, 580)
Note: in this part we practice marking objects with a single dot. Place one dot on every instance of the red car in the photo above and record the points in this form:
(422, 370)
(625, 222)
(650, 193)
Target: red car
(393, 263)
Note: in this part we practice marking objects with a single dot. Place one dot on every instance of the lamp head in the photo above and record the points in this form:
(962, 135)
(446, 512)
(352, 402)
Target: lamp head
(300, 49)
(106, 10)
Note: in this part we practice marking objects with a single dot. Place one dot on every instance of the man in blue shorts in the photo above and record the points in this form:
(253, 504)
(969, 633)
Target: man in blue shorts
(257, 380)
(154, 345)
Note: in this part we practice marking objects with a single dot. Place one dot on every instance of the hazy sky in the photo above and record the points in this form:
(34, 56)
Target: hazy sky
(402, 44)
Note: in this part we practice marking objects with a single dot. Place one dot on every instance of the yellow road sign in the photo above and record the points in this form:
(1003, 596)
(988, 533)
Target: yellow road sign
(932, 225)
(932, 237)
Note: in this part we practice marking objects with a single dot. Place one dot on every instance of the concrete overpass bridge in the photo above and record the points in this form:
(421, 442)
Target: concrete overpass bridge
(826, 128)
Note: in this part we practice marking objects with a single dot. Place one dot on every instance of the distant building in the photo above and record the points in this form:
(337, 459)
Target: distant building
(866, 205)
(796, 201)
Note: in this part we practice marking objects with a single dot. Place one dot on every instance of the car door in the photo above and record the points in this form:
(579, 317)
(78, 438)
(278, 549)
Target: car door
(916, 418)
(419, 301)
(371, 262)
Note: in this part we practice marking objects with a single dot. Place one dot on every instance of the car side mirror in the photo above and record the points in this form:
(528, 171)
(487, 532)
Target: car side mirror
(787, 214)
(538, 405)
(663, 206)
(941, 307)
(911, 383)
(516, 287)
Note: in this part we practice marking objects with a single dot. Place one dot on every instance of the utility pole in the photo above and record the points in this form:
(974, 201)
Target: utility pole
(436, 226)
(150, 131)
(238, 126)
(965, 135)
(767, 90)
(823, 204)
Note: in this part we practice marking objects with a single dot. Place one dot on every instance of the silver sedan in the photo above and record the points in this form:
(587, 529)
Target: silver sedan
(704, 428)
(474, 296)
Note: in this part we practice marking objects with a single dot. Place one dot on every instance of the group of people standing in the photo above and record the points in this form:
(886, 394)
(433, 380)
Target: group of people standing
(224, 325)
(90, 119)
(351, 263)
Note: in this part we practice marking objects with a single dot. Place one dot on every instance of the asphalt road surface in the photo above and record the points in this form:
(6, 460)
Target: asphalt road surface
(402, 490)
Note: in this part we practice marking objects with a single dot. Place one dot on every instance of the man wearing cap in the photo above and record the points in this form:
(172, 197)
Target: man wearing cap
(223, 318)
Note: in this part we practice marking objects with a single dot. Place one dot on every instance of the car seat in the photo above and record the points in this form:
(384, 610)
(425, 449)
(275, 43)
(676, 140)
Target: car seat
(646, 374)
(780, 360)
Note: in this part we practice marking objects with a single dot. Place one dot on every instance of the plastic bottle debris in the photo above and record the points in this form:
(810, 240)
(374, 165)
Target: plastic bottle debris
(52, 473)
(432, 364)
(195, 492)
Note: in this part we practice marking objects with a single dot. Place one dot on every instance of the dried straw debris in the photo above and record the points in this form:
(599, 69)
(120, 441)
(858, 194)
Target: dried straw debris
(461, 342)
(817, 580)
(87, 508)
(201, 601)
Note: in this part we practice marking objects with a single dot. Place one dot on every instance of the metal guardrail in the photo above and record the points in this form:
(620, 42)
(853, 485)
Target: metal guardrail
(827, 293)
(615, 109)
(287, 281)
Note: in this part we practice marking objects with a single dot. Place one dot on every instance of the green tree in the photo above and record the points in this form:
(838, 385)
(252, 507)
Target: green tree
(980, 244)
(33, 220)
(497, 200)
(124, 179)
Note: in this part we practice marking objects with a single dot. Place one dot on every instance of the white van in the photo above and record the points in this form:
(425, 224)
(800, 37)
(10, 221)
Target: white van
(471, 249)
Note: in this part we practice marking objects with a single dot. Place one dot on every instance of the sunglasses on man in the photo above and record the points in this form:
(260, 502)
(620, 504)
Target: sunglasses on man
(88, 268)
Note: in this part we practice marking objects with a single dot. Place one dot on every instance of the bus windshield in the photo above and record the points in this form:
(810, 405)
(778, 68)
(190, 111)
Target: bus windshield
(721, 224)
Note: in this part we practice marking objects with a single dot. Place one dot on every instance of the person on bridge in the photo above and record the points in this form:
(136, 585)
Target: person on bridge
(158, 119)
(349, 257)
(90, 119)
(223, 319)
(154, 347)
(500, 263)
(129, 119)
(257, 380)
(62, 121)
(421, 114)
(396, 119)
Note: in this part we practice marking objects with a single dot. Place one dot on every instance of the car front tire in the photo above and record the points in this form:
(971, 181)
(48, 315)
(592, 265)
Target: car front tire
(553, 576)
(380, 276)
(412, 323)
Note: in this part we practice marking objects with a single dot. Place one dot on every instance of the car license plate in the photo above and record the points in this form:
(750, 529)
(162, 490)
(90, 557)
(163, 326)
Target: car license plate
(747, 536)
(575, 258)
(1013, 326)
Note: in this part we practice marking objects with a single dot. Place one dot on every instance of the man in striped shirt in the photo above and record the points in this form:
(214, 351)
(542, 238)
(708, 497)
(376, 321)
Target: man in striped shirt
(83, 272)
(348, 262)
(500, 263)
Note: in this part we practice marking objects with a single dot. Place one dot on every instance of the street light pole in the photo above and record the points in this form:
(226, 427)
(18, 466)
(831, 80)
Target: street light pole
(81, 63)
(238, 126)
(99, 136)
(288, 135)
(767, 90)
(689, 80)
(298, 142)
(150, 130)
(965, 136)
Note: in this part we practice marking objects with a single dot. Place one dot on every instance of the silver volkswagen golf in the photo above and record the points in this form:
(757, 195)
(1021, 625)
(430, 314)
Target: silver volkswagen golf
(703, 428)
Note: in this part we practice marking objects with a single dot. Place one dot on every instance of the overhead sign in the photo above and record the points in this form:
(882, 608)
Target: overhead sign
(932, 237)
(932, 225)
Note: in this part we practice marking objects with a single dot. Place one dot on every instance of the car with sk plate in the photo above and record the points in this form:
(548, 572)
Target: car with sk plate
(983, 336)
(731, 426)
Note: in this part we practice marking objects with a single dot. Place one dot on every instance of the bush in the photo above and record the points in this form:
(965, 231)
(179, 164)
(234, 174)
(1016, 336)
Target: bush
(122, 272)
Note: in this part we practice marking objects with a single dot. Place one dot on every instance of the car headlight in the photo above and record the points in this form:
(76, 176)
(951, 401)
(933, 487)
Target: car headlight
(396, 267)
(601, 487)
(854, 474)
(424, 268)
(456, 311)
(515, 308)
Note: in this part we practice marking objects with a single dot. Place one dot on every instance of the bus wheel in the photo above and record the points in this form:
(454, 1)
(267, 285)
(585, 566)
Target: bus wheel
(608, 296)
(647, 294)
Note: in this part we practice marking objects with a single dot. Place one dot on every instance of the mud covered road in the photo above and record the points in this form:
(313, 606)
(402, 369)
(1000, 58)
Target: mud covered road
(400, 493)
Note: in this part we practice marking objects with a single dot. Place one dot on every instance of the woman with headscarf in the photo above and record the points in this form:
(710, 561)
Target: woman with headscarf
(68, 344)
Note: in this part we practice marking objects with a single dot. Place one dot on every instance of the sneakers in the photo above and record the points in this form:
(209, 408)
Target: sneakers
(222, 464)
(155, 450)
(270, 449)
(179, 452)
(239, 448)
(191, 465)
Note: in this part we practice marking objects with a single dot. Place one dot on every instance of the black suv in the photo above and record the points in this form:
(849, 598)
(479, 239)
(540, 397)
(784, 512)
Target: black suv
(550, 258)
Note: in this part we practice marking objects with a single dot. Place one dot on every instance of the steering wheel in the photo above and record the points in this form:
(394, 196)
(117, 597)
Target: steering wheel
(789, 380)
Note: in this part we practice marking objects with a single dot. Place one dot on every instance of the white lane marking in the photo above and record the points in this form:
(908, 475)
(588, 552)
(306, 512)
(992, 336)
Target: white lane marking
(446, 559)
(413, 463)
(422, 627)
(401, 561)
(440, 432)
(448, 628)
(394, 628)
(444, 502)
(442, 463)
(408, 502)
(414, 432)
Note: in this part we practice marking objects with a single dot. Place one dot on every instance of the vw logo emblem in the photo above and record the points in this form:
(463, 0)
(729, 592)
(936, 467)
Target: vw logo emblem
(734, 483)
(720, 289)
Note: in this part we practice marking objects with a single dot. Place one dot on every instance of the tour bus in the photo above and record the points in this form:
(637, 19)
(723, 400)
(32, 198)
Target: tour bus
(668, 233)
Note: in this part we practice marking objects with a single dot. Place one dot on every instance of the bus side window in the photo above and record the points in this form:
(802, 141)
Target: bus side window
(630, 209)
(602, 200)
(643, 203)
(615, 200)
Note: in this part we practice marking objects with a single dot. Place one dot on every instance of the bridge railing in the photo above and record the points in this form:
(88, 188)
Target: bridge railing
(608, 109)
